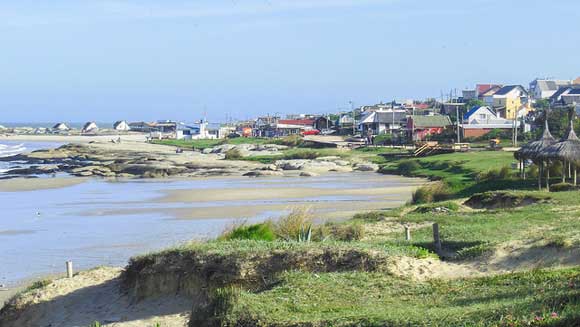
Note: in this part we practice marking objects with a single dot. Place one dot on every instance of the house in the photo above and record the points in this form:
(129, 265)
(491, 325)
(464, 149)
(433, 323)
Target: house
(121, 125)
(383, 122)
(420, 128)
(264, 126)
(345, 120)
(486, 94)
(62, 127)
(90, 127)
(482, 89)
(545, 88)
(479, 121)
(571, 97)
(508, 100)
(469, 95)
(285, 127)
(323, 123)
(142, 127)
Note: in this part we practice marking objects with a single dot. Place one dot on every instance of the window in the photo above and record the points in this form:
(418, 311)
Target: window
(482, 116)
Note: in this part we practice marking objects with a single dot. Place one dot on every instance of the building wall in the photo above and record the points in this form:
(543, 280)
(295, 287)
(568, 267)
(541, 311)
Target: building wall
(476, 132)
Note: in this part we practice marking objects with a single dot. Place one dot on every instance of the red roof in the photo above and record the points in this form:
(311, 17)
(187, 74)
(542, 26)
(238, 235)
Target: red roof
(302, 122)
(482, 88)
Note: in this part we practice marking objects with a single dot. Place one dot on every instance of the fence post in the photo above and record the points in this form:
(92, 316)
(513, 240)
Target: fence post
(69, 269)
(436, 238)
(407, 233)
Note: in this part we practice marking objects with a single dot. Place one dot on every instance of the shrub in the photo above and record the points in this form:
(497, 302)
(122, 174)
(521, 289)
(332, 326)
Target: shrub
(474, 251)
(288, 227)
(233, 154)
(449, 206)
(560, 242)
(372, 216)
(433, 192)
(302, 155)
(256, 232)
(562, 187)
(495, 174)
(407, 167)
(292, 141)
(38, 285)
(339, 232)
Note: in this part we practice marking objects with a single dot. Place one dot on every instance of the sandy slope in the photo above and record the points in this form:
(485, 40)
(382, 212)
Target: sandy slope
(94, 296)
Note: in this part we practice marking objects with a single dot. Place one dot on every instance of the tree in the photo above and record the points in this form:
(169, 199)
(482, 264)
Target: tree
(474, 103)
(542, 104)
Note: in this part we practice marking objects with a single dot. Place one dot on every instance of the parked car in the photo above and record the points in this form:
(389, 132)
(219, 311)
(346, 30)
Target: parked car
(311, 132)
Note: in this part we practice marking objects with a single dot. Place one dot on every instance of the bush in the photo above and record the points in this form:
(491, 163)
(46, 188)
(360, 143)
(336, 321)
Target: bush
(562, 187)
(38, 285)
(372, 216)
(257, 232)
(302, 155)
(233, 154)
(503, 173)
(289, 227)
(433, 192)
(405, 168)
(292, 141)
(449, 206)
(339, 232)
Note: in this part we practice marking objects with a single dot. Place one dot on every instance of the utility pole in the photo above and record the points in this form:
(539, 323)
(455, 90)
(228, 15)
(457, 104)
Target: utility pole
(458, 127)
(353, 118)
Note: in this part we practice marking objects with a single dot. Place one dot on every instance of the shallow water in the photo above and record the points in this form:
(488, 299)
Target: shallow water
(12, 148)
(40, 230)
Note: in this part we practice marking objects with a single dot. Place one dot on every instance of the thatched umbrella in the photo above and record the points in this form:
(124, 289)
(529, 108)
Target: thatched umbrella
(567, 150)
(534, 149)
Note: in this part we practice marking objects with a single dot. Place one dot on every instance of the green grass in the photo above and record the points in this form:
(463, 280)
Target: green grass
(375, 299)
(300, 153)
(203, 144)
(467, 232)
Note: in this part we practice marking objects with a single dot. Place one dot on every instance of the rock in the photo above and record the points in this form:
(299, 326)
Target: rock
(270, 167)
(342, 163)
(366, 167)
(290, 164)
(263, 173)
(308, 174)
(328, 158)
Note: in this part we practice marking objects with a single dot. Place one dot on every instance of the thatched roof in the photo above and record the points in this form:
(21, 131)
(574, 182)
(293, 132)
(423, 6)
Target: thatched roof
(567, 149)
(533, 149)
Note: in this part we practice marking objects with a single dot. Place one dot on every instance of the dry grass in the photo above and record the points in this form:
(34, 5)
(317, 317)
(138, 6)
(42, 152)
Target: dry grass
(288, 227)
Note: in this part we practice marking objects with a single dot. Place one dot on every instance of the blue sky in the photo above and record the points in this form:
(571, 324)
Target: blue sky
(145, 60)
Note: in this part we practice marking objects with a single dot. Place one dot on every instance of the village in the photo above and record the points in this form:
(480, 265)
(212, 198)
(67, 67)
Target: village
(488, 112)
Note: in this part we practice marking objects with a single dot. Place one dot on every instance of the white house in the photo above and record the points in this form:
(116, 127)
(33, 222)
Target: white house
(382, 122)
(90, 127)
(121, 125)
(61, 127)
(545, 88)
(481, 120)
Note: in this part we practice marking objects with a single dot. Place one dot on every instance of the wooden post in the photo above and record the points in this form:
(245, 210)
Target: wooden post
(407, 233)
(575, 172)
(564, 171)
(436, 238)
(548, 176)
(540, 173)
(69, 269)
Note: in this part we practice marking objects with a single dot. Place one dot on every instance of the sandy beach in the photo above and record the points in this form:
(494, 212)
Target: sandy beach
(72, 138)
(35, 184)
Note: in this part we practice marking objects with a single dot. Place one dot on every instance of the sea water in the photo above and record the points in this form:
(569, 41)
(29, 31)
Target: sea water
(103, 223)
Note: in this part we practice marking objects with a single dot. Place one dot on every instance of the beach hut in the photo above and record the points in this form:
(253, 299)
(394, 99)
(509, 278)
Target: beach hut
(121, 125)
(532, 151)
(61, 127)
(567, 151)
(90, 127)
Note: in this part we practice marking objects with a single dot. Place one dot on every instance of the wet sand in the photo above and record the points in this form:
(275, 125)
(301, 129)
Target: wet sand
(35, 184)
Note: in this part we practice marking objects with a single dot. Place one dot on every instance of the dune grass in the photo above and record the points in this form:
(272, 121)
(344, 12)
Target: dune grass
(539, 298)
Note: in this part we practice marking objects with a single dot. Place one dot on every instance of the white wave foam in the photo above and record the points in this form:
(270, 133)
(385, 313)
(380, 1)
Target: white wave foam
(11, 150)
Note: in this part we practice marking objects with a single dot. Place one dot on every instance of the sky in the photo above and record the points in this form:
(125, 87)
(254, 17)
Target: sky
(106, 60)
